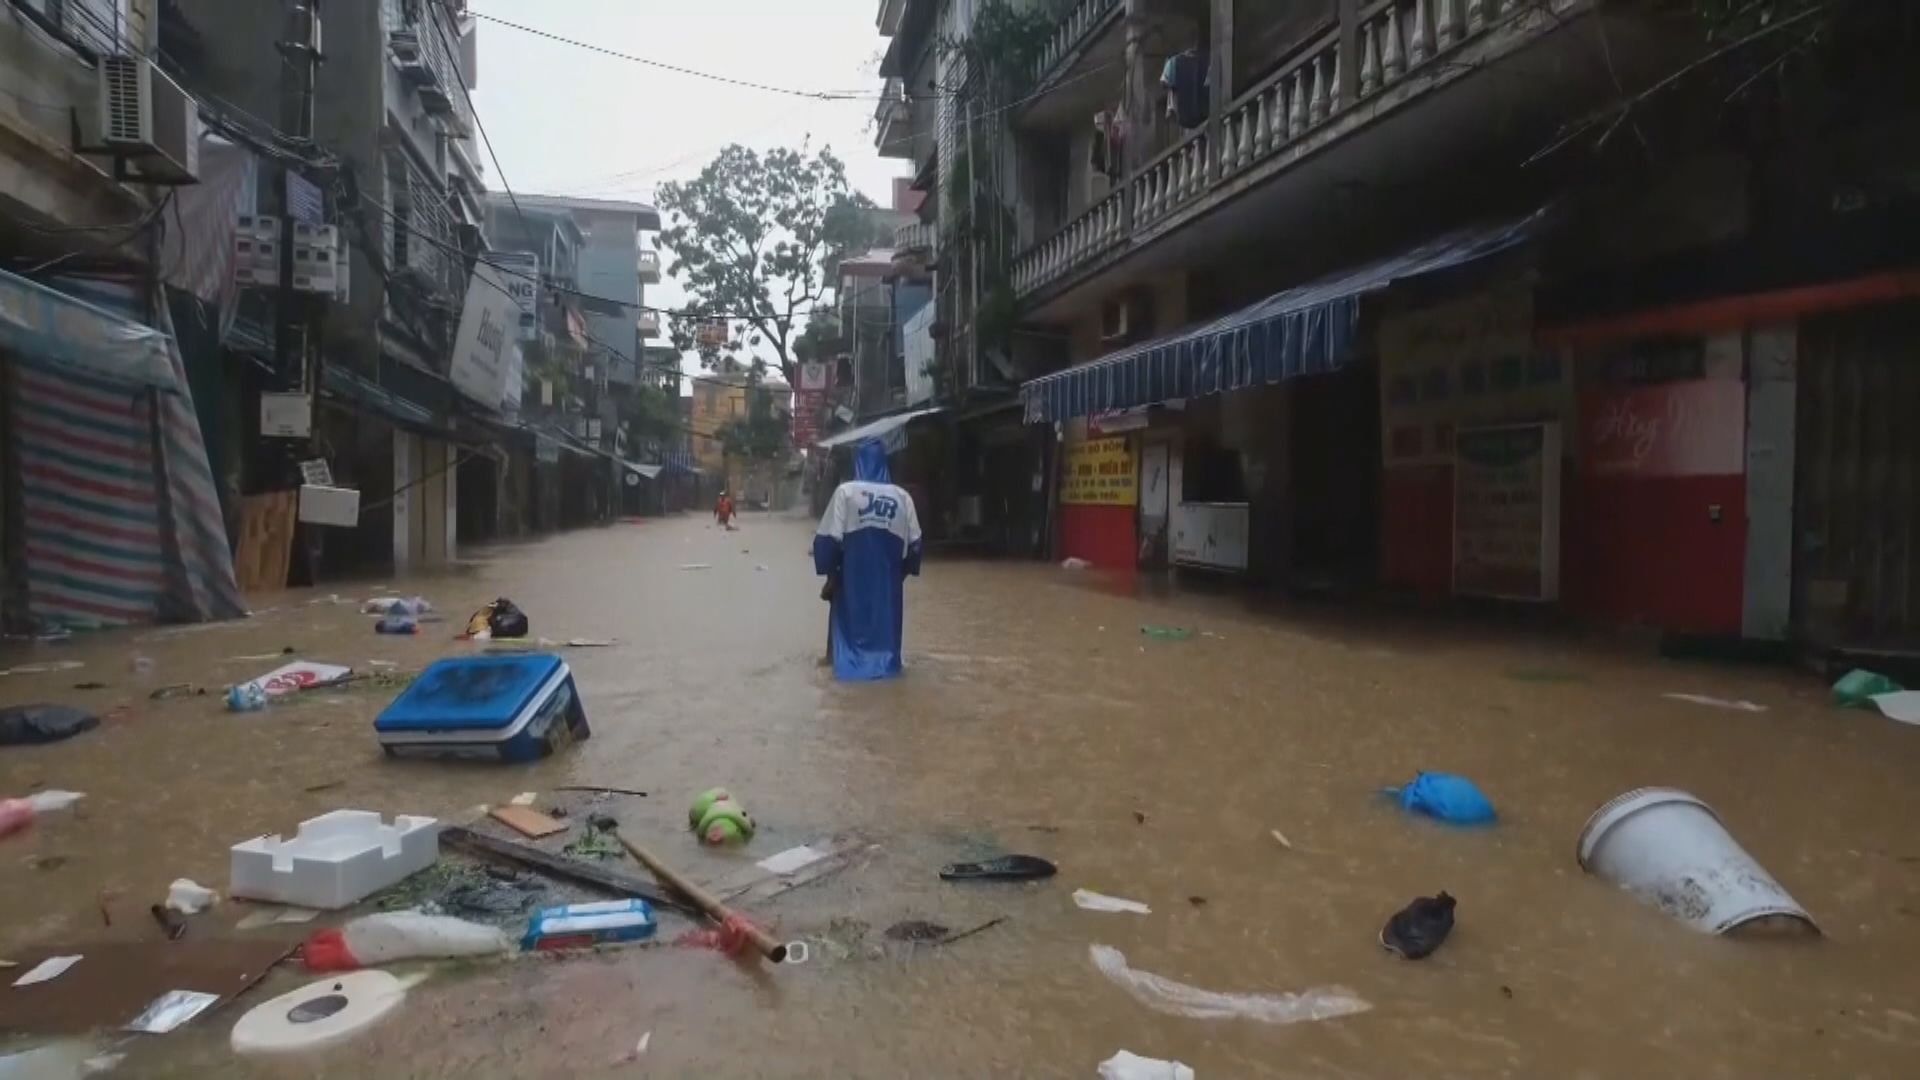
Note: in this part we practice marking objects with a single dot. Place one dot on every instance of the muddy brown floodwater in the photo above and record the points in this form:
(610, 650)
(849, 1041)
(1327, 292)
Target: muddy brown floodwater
(1034, 717)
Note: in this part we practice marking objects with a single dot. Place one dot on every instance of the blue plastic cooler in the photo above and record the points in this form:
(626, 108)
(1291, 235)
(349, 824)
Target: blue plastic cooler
(511, 707)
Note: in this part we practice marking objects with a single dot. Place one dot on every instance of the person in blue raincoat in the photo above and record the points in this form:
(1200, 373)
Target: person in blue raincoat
(867, 544)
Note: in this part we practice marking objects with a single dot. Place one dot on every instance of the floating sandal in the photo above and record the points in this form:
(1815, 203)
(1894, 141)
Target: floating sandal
(1005, 868)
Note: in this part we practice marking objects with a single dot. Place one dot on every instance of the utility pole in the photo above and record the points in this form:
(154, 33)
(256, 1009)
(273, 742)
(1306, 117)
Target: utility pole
(301, 47)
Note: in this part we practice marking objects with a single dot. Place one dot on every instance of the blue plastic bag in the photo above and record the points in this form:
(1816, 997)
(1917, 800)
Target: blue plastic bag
(1445, 797)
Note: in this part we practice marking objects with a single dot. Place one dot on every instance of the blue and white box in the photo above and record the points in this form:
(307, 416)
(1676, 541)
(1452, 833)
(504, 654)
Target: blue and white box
(506, 707)
(582, 926)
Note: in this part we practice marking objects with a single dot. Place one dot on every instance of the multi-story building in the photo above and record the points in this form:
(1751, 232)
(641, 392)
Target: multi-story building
(49, 73)
(615, 267)
(98, 148)
(1287, 280)
(391, 107)
(719, 398)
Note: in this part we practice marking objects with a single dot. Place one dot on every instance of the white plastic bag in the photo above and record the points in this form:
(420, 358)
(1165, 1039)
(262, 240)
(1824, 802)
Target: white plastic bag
(1161, 994)
(1089, 900)
(189, 897)
(44, 802)
(1126, 1065)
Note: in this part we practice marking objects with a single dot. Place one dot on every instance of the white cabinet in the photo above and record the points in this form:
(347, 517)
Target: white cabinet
(1212, 535)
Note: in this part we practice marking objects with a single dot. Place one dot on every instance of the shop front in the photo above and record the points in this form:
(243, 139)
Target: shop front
(1604, 474)
(1099, 491)
(1273, 469)
(1464, 394)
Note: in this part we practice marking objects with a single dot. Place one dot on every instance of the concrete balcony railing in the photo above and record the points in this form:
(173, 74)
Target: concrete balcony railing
(915, 242)
(649, 325)
(1396, 40)
(650, 267)
(1079, 23)
(1093, 233)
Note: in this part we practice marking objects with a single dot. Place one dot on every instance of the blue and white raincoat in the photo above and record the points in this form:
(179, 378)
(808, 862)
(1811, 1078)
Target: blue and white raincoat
(870, 540)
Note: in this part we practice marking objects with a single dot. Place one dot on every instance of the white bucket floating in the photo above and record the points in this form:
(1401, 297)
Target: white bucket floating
(1670, 849)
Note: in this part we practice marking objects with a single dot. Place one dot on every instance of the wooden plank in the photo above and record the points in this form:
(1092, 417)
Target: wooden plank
(264, 551)
(610, 881)
(527, 821)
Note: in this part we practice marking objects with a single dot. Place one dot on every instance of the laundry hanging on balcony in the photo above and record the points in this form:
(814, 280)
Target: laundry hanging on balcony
(1108, 143)
(1185, 78)
(1306, 330)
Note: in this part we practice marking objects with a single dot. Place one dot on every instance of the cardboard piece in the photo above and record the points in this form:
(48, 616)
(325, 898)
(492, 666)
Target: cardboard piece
(300, 675)
(758, 884)
(527, 821)
(118, 981)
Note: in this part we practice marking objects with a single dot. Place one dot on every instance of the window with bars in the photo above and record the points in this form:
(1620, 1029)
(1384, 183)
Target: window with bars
(424, 242)
(93, 27)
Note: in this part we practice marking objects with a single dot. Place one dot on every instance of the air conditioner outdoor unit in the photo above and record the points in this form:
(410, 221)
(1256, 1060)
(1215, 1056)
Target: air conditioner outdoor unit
(407, 54)
(146, 118)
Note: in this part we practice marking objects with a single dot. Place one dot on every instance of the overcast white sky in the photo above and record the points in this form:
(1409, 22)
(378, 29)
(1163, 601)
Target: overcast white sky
(568, 121)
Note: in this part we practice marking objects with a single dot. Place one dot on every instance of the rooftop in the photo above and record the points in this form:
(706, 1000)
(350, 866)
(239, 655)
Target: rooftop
(649, 217)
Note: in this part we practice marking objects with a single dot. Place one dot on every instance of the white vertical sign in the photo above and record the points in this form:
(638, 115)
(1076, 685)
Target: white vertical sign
(480, 349)
(520, 272)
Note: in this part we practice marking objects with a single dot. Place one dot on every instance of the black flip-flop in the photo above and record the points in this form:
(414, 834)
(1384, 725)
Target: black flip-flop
(1005, 868)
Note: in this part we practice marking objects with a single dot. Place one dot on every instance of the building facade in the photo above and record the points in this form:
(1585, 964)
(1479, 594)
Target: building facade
(110, 511)
(1336, 296)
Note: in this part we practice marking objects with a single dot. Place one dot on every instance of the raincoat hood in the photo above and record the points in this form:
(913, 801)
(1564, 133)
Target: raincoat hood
(870, 462)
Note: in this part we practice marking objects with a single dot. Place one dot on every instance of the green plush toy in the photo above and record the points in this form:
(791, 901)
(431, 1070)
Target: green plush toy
(704, 802)
(726, 822)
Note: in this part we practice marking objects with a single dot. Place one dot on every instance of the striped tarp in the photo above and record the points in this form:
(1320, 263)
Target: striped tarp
(121, 520)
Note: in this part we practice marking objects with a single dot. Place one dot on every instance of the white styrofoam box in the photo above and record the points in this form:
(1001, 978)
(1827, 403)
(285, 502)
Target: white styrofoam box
(335, 860)
(322, 505)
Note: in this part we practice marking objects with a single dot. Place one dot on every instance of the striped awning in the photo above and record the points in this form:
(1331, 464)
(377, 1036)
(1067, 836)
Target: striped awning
(1307, 330)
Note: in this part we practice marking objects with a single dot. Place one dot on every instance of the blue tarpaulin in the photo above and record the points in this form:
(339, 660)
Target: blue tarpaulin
(55, 328)
(1307, 330)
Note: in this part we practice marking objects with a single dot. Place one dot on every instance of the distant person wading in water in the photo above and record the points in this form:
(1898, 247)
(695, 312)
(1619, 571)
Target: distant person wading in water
(723, 511)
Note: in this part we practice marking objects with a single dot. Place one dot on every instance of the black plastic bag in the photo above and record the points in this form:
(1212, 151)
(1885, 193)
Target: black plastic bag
(506, 620)
(1416, 930)
(21, 725)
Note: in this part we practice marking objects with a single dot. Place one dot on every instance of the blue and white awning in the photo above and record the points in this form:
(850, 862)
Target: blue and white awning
(1307, 330)
(56, 328)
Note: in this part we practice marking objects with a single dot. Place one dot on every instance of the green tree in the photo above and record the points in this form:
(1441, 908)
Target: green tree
(760, 438)
(652, 415)
(821, 340)
(754, 238)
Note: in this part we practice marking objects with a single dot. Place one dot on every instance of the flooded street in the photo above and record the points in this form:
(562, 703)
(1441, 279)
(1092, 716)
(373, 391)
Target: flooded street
(1034, 717)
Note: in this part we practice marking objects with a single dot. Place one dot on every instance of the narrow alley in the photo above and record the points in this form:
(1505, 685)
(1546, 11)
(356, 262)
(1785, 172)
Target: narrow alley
(1035, 717)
